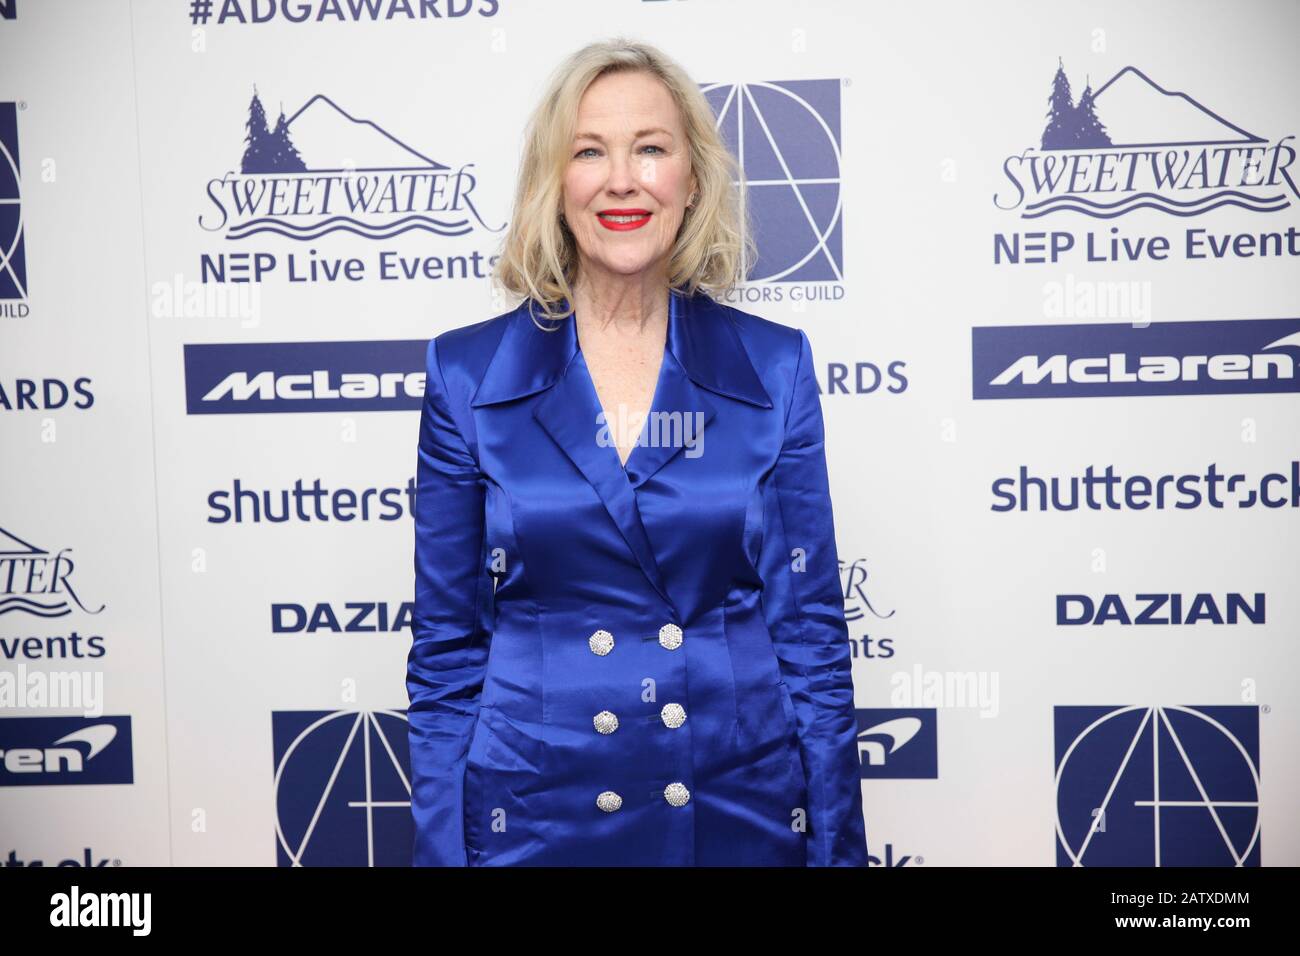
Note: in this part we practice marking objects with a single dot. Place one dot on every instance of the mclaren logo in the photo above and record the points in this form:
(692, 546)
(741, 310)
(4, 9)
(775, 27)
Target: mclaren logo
(1114, 367)
(368, 376)
(1212, 357)
(317, 384)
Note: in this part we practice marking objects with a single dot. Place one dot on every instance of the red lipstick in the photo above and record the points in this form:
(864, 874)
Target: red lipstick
(621, 220)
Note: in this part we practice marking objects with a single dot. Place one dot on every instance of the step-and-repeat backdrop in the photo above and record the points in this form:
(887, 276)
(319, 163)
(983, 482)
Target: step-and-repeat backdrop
(1047, 258)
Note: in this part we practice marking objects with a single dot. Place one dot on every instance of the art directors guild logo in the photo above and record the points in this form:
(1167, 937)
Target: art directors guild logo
(13, 246)
(324, 171)
(786, 137)
(1163, 785)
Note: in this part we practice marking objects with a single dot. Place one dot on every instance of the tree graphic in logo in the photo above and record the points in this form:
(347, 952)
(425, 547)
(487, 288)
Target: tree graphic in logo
(1071, 125)
(268, 151)
(1090, 131)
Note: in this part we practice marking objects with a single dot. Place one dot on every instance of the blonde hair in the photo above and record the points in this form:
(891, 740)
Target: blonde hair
(539, 254)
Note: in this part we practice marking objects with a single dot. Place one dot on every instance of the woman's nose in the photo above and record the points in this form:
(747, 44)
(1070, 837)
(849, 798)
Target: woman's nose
(624, 174)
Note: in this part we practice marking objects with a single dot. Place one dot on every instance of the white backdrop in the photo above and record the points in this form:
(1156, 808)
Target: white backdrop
(252, 671)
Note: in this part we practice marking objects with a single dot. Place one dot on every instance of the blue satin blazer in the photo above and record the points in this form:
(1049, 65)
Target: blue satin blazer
(629, 665)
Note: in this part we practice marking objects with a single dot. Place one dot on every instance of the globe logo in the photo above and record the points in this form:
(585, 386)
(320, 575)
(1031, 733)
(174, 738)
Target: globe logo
(13, 255)
(786, 138)
(342, 788)
(1157, 786)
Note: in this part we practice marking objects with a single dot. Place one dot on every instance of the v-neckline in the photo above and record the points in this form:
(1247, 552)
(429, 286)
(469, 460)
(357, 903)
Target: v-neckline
(625, 466)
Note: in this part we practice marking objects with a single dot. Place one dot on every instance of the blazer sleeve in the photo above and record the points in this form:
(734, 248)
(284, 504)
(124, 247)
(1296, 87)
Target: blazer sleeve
(450, 625)
(803, 604)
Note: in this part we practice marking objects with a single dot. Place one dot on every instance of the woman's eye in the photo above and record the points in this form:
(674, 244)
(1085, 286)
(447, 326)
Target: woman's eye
(592, 150)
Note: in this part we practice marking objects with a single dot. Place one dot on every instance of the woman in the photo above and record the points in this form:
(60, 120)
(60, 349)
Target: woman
(629, 642)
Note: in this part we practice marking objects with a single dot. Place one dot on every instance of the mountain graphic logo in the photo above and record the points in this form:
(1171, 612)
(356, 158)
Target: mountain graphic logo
(1134, 144)
(323, 170)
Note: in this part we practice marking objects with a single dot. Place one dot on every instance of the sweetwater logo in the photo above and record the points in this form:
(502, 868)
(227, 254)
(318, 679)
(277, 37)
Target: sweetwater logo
(1133, 145)
(35, 582)
(857, 605)
(323, 170)
(13, 246)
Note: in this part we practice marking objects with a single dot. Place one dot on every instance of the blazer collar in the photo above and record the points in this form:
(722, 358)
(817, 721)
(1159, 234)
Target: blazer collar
(703, 349)
(701, 336)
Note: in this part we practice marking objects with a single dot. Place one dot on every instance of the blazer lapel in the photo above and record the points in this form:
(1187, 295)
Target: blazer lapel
(703, 351)
(569, 413)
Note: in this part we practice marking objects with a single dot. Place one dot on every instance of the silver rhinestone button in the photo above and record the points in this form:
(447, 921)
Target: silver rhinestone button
(677, 794)
(609, 801)
(606, 722)
(670, 636)
(674, 715)
(602, 642)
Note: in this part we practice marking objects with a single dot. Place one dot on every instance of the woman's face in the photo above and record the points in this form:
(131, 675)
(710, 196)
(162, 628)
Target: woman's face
(628, 177)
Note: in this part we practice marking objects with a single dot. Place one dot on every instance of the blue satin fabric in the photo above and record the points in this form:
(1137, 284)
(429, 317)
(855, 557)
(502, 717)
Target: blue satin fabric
(531, 535)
